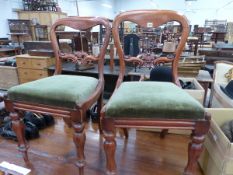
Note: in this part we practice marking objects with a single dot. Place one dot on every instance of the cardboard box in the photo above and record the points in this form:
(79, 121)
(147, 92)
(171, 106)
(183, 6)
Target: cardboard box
(197, 93)
(217, 159)
(8, 77)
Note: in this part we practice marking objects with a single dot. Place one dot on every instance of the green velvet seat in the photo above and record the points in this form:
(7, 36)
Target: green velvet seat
(153, 100)
(59, 90)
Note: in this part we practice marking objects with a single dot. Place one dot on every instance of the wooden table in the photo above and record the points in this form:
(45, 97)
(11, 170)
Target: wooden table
(205, 80)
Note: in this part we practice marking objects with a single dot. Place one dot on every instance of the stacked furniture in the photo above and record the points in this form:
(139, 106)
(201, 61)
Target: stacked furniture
(33, 67)
(218, 98)
(43, 18)
(8, 73)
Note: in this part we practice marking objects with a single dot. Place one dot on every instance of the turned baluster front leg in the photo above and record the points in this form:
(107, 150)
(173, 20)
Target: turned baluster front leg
(196, 146)
(109, 145)
(79, 140)
(19, 129)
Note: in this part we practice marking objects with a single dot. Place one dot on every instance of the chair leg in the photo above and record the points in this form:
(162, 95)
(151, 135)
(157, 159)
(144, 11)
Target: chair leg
(79, 141)
(99, 107)
(196, 145)
(163, 133)
(18, 127)
(194, 151)
(109, 145)
(67, 121)
(126, 133)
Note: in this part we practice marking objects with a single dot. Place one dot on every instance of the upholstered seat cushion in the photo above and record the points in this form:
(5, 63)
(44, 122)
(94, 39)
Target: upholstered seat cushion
(153, 100)
(59, 90)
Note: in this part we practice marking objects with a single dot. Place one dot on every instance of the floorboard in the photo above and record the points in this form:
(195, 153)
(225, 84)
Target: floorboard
(144, 153)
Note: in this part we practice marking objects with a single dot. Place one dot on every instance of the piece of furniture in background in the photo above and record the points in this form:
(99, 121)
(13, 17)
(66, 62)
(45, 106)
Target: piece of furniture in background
(42, 17)
(152, 104)
(218, 36)
(40, 5)
(205, 79)
(217, 54)
(45, 45)
(217, 157)
(229, 34)
(192, 43)
(40, 32)
(79, 40)
(200, 36)
(20, 30)
(31, 68)
(218, 99)
(8, 77)
(4, 41)
(19, 26)
(61, 95)
(9, 51)
(189, 66)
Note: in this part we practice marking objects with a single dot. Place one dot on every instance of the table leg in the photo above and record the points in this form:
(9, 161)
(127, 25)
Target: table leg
(205, 85)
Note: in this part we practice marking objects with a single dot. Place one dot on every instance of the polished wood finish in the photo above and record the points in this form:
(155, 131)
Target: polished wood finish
(76, 115)
(144, 153)
(199, 127)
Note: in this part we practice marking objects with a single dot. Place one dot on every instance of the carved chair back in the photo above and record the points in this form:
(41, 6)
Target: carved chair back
(151, 18)
(82, 24)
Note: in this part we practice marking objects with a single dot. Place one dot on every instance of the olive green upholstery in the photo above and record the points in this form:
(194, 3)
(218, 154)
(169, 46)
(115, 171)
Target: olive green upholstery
(153, 100)
(58, 90)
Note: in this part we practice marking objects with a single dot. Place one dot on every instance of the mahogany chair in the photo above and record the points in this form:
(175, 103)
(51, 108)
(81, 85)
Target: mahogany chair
(65, 96)
(146, 104)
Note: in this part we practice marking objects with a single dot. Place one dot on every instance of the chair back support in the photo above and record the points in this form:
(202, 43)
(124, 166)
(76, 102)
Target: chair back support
(80, 23)
(150, 18)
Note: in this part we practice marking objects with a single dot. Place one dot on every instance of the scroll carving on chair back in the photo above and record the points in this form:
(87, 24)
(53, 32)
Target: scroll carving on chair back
(150, 18)
(79, 23)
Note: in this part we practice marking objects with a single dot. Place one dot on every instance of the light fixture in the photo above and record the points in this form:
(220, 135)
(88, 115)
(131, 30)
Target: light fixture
(107, 5)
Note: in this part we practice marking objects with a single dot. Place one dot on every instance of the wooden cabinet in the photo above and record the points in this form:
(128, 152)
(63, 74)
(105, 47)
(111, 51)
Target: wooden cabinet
(45, 18)
(33, 67)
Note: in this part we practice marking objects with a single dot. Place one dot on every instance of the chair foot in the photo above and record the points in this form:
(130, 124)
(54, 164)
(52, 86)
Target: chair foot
(110, 173)
(109, 145)
(81, 170)
(196, 145)
(163, 133)
(18, 127)
(67, 121)
(126, 133)
(194, 151)
(79, 141)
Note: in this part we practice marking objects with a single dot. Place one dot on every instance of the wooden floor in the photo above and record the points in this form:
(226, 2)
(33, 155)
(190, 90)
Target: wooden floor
(144, 153)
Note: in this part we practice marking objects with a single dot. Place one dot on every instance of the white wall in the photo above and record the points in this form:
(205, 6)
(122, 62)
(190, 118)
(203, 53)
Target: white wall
(6, 12)
(86, 8)
(197, 12)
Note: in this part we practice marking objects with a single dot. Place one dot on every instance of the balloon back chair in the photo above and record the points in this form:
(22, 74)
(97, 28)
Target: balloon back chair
(146, 104)
(66, 96)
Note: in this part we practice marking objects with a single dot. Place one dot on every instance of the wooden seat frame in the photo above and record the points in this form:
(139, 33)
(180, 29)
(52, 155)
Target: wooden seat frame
(75, 116)
(199, 127)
